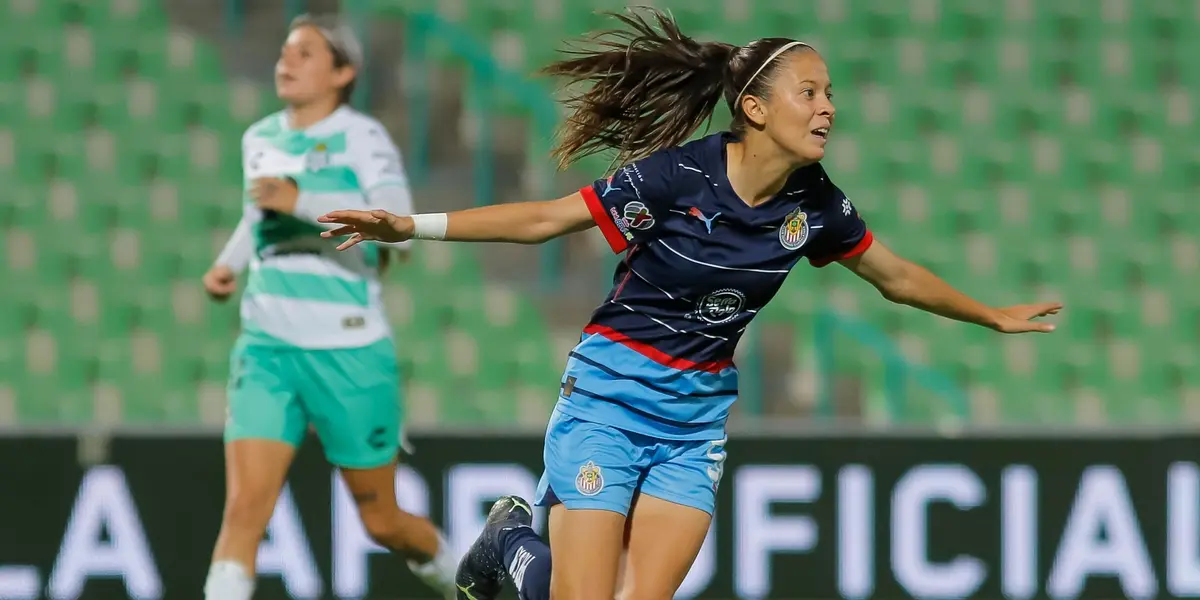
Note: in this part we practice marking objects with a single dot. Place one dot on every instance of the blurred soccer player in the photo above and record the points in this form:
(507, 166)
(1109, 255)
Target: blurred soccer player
(316, 348)
(710, 229)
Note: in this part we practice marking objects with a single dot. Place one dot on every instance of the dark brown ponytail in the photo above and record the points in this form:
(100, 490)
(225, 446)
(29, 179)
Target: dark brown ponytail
(651, 87)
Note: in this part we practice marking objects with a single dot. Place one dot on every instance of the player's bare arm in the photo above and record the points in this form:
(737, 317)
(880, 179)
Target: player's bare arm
(517, 223)
(905, 282)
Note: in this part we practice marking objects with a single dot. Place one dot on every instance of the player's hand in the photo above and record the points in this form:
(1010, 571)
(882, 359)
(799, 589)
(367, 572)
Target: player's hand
(1020, 318)
(271, 193)
(220, 282)
(367, 225)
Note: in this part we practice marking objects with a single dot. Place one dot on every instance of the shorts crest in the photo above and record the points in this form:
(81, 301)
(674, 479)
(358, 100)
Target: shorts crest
(590, 480)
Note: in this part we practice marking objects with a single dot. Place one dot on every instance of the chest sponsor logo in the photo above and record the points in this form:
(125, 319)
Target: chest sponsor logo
(794, 231)
(721, 305)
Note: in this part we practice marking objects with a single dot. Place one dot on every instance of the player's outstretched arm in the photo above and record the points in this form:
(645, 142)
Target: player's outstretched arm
(220, 281)
(904, 282)
(517, 223)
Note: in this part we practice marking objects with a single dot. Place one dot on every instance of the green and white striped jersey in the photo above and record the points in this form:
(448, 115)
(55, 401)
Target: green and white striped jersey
(301, 291)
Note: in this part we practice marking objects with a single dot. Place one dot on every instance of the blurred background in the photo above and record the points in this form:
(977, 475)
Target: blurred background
(1024, 150)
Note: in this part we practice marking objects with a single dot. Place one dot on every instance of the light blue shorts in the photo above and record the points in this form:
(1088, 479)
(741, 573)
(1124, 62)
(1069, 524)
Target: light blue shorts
(595, 466)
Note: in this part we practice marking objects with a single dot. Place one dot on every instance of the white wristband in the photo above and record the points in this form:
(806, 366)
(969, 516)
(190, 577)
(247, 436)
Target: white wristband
(430, 226)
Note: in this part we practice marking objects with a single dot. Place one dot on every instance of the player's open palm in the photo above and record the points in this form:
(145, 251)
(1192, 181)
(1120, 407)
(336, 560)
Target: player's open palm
(220, 282)
(367, 225)
(1020, 318)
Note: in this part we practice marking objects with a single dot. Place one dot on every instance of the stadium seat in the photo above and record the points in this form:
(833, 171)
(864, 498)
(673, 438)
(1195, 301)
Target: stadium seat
(983, 139)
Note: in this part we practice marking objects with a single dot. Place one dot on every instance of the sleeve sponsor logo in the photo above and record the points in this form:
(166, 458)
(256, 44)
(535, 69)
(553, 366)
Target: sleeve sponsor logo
(622, 226)
(630, 171)
(638, 216)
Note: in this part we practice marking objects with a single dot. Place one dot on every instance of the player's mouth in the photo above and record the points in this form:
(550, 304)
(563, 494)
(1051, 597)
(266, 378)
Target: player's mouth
(821, 132)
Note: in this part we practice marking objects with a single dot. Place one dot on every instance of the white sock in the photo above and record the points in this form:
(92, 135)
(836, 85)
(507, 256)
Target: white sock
(227, 580)
(439, 572)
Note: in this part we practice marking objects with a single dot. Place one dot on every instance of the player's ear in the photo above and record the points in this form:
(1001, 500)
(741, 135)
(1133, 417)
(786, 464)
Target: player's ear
(343, 75)
(755, 110)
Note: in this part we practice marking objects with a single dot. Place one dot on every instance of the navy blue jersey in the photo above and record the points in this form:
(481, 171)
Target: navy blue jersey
(657, 356)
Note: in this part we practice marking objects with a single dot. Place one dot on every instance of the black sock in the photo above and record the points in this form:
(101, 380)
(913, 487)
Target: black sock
(527, 560)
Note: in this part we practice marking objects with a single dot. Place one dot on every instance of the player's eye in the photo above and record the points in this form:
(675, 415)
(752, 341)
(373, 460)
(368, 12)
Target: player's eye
(807, 92)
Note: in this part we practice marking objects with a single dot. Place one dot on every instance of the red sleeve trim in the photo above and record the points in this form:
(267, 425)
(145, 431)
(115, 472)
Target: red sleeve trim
(612, 234)
(867, 239)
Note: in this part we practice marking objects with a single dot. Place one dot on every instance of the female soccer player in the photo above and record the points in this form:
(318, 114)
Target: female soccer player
(635, 446)
(316, 348)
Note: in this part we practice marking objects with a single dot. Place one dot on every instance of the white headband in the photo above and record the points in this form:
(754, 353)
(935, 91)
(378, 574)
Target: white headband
(774, 55)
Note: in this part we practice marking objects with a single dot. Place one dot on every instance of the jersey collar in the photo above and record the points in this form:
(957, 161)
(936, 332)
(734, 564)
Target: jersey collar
(317, 128)
(801, 184)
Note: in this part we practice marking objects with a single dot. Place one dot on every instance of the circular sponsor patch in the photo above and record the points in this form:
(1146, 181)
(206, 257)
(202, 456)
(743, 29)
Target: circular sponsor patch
(590, 480)
(638, 216)
(721, 305)
(794, 231)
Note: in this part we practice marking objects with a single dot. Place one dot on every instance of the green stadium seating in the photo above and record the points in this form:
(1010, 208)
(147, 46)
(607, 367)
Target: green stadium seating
(1021, 150)
(1074, 192)
(120, 138)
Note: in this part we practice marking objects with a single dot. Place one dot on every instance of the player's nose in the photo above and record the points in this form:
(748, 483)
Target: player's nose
(826, 109)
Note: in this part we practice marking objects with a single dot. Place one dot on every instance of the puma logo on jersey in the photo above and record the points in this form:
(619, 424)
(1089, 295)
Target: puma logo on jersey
(609, 187)
(519, 565)
(708, 221)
